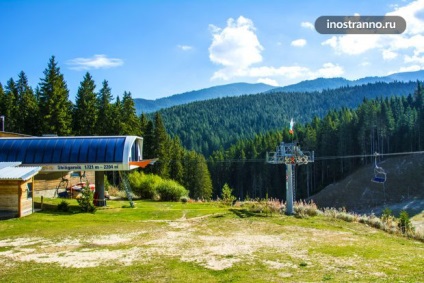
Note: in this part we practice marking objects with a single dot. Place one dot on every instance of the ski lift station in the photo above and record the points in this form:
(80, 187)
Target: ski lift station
(79, 154)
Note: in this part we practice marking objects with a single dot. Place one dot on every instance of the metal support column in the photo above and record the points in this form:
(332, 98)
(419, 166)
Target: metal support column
(100, 188)
(289, 189)
(290, 155)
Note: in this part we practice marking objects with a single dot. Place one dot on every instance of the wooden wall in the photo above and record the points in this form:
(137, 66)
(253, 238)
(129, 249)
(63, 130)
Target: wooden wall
(26, 206)
(9, 195)
(14, 197)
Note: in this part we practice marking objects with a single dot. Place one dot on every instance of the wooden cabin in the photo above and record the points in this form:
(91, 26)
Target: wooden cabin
(16, 190)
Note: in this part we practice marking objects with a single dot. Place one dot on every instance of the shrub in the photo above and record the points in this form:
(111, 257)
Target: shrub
(85, 201)
(304, 209)
(405, 225)
(144, 185)
(63, 206)
(170, 190)
(386, 214)
(114, 191)
(226, 194)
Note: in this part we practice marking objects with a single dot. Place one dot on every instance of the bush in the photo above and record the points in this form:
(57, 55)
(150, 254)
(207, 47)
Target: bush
(114, 191)
(170, 190)
(226, 194)
(303, 209)
(405, 225)
(144, 185)
(63, 206)
(86, 200)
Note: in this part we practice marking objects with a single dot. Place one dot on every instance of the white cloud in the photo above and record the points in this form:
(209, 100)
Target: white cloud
(185, 47)
(330, 70)
(411, 41)
(236, 46)
(288, 72)
(410, 12)
(307, 25)
(268, 81)
(353, 44)
(414, 59)
(412, 68)
(299, 42)
(100, 61)
(389, 55)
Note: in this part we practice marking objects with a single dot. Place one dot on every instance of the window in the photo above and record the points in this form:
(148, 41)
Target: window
(29, 190)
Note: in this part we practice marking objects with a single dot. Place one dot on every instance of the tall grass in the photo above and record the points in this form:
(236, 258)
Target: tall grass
(302, 209)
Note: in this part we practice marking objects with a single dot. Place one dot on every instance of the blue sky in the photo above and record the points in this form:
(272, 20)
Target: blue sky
(159, 48)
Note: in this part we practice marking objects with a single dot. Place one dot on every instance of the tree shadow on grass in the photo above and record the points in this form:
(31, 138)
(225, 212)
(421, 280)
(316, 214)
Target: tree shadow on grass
(244, 213)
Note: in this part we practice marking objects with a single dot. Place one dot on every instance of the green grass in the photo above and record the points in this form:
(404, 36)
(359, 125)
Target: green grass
(201, 242)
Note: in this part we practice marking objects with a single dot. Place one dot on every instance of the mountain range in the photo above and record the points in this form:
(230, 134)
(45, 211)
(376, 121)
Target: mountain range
(237, 89)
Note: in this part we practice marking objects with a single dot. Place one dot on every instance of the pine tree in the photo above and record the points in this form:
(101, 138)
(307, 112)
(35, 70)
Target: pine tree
(29, 113)
(197, 178)
(143, 123)
(85, 111)
(105, 108)
(130, 124)
(176, 169)
(148, 141)
(55, 107)
(2, 102)
(11, 110)
(115, 126)
(160, 146)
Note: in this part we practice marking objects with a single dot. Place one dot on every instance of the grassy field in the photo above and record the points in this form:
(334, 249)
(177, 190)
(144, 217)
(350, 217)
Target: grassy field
(207, 242)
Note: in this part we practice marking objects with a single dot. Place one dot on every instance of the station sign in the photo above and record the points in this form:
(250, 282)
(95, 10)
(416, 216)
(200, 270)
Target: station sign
(85, 167)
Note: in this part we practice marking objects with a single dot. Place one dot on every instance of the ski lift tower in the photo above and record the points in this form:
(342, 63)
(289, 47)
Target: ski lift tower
(291, 155)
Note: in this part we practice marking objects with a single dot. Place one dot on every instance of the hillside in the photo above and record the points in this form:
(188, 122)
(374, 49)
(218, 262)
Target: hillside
(320, 84)
(404, 188)
(206, 126)
(236, 89)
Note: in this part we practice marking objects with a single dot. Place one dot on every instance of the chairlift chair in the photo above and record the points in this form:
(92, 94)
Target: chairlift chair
(379, 173)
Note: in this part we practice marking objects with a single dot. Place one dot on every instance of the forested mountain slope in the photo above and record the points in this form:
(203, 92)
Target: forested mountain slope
(320, 84)
(236, 89)
(208, 125)
(344, 142)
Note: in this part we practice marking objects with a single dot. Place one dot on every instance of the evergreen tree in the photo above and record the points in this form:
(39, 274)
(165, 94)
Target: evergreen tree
(105, 110)
(86, 111)
(55, 107)
(143, 123)
(160, 146)
(116, 125)
(197, 177)
(130, 124)
(148, 141)
(2, 101)
(176, 169)
(11, 107)
(29, 113)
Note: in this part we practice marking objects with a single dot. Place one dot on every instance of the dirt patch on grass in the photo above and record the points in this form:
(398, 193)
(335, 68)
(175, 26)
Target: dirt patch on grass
(210, 243)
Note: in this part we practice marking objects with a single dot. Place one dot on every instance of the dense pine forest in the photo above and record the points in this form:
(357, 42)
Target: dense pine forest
(383, 125)
(208, 125)
(234, 133)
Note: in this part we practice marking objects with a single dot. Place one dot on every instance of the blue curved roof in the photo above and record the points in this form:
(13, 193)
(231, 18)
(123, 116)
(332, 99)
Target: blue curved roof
(71, 150)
